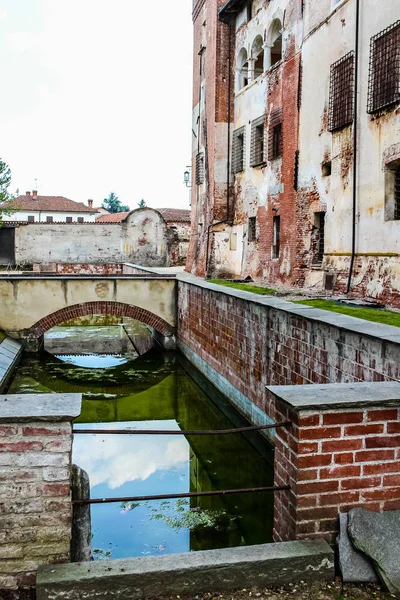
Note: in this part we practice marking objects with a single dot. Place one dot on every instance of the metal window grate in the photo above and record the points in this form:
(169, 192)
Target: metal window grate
(252, 229)
(277, 141)
(257, 142)
(321, 244)
(277, 237)
(274, 121)
(341, 93)
(384, 69)
(299, 86)
(238, 150)
(296, 170)
(397, 193)
(199, 168)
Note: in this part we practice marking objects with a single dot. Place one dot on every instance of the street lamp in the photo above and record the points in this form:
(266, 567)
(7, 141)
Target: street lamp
(186, 177)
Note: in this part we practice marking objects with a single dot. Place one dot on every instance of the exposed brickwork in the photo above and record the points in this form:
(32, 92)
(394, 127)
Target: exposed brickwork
(99, 308)
(253, 345)
(79, 269)
(331, 470)
(35, 506)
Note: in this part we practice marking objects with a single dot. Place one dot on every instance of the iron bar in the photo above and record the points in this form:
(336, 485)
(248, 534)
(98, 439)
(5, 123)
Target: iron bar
(183, 495)
(180, 432)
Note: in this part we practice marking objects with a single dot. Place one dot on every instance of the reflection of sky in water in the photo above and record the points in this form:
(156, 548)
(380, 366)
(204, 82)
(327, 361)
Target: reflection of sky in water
(95, 361)
(123, 466)
(57, 333)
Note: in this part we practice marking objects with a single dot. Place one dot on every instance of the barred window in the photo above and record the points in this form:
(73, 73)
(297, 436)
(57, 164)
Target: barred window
(341, 93)
(252, 229)
(275, 145)
(384, 69)
(80, 220)
(257, 142)
(49, 219)
(31, 218)
(238, 150)
(199, 168)
(277, 237)
(69, 219)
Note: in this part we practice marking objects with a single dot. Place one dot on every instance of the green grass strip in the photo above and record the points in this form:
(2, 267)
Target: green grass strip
(262, 291)
(377, 315)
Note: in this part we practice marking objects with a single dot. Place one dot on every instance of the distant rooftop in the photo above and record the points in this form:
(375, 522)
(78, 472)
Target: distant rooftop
(33, 202)
(170, 215)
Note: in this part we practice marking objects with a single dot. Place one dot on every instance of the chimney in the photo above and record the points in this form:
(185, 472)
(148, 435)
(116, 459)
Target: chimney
(90, 203)
(28, 193)
(34, 194)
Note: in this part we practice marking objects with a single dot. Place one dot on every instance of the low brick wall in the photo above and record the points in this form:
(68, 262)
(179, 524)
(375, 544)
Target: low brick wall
(35, 497)
(342, 451)
(79, 269)
(253, 341)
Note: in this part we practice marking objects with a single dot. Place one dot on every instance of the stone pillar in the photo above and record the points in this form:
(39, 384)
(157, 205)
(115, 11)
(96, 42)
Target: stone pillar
(35, 496)
(267, 55)
(251, 63)
(167, 342)
(342, 451)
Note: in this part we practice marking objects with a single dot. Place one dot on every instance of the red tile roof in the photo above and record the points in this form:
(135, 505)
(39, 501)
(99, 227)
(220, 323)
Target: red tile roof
(180, 215)
(50, 203)
(112, 217)
(170, 215)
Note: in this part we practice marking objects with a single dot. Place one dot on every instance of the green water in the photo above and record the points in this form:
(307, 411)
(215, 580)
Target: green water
(159, 391)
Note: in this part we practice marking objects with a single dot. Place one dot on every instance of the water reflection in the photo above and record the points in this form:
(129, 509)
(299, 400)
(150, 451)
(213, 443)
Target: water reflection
(159, 391)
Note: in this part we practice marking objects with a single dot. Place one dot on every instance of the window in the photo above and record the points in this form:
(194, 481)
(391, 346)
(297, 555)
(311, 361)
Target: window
(257, 142)
(80, 219)
(384, 69)
(69, 219)
(238, 150)
(274, 39)
(257, 53)
(242, 70)
(49, 219)
(296, 170)
(275, 145)
(341, 93)
(277, 237)
(31, 219)
(252, 229)
(326, 169)
(392, 191)
(199, 168)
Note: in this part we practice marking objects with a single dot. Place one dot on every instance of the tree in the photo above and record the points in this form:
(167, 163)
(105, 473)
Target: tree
(142, 204)
(5, 197)
(113, 204)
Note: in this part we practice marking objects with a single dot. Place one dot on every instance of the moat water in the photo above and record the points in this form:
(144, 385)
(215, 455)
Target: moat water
(154, 391)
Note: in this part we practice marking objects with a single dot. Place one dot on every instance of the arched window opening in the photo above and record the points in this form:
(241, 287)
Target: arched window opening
(258, 56)
(276, 42)
(242, 78)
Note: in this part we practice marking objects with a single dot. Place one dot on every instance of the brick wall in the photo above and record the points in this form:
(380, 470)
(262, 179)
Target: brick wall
(334, 460)
(254, 341)
(35, 506)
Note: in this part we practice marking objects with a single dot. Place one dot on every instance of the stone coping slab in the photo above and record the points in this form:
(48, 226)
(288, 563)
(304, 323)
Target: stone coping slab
(338, 395)
(380, 331)
(39, 407)
(10, 353)
(189, 573)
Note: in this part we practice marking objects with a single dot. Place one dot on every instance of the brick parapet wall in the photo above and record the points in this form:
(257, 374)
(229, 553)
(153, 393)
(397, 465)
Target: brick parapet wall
(35, 498)
(334, 459)
(255, 341)
(79, 269)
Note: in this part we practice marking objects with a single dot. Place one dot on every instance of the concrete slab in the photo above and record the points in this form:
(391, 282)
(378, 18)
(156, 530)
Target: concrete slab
(338, 395)
(10, 352)
(354, 566)
(188, 573)
(39, 407)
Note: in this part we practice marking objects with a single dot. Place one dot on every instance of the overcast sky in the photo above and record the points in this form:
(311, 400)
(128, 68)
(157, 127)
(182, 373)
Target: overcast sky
(96, 97)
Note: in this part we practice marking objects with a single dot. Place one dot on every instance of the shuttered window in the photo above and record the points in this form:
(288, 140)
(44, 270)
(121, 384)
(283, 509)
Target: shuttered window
(384, 69)
(257, 142)
(341, 93)
(275, 142)
(200, 168)
(252, 229)
(238, 150)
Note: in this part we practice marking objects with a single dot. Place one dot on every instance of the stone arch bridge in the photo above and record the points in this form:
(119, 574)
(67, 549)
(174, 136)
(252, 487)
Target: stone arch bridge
(31, 305)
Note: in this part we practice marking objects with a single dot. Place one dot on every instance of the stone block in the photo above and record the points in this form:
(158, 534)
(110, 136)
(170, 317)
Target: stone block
(378, 536)
(190, 573)
(39, 407)
(355, 566)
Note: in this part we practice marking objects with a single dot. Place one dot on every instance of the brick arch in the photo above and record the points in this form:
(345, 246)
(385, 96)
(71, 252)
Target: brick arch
(101, 308)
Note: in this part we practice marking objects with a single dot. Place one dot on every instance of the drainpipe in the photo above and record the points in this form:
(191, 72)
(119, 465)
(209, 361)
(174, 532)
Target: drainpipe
(228, 162)
(355, 148)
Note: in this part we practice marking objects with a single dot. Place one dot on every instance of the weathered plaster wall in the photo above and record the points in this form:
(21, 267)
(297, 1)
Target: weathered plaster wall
(35, 498)
(144, 238)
